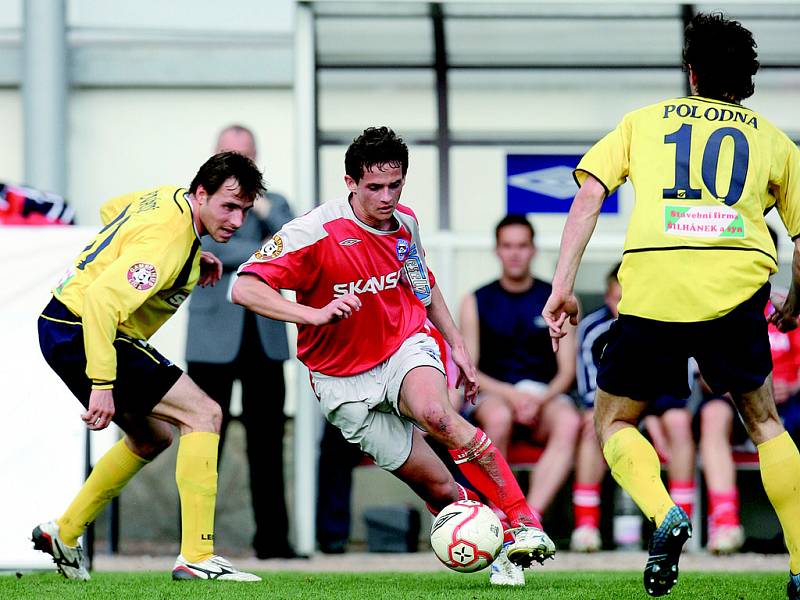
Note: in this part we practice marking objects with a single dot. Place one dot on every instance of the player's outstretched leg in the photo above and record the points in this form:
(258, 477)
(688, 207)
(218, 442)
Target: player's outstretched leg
(69, 560)
(484, 466)
(661, 570)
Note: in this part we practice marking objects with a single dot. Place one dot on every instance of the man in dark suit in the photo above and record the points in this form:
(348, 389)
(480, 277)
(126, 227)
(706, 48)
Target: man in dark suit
(226, 342)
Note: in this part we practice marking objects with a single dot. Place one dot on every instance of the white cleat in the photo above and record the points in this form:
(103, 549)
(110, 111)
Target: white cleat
(504, 572)
(726, 539)
(69, 560)
(585, 539)
(530, 544)
(215, 567)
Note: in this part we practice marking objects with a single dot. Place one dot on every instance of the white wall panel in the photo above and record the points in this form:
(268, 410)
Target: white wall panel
(125, 140)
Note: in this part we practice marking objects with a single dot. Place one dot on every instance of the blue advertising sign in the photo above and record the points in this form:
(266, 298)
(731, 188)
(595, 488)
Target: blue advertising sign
(543, 183)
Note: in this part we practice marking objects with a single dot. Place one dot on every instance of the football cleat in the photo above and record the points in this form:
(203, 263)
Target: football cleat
(504, 572)
(793, 587)
(661, 570)
(215, 567)
(530, 544)
(585, 539)
(69, 560)
(726, 539)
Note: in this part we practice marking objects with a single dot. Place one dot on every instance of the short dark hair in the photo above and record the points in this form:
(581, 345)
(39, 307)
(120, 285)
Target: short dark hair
(512, 220)
(217, 169)
(375, 146)
(722, 54)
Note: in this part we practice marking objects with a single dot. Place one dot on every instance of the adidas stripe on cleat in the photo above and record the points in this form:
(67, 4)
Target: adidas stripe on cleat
(215, 567)
(69, 560)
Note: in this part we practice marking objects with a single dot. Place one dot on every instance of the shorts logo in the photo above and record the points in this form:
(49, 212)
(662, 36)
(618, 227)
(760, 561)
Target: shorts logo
(402, 249)
(142, 276)
(272, 249)
(350, 242)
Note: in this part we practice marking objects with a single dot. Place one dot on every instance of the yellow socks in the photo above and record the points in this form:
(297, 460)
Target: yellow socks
(196, 476)
(780, 473)
(106, 481)
(636, 468)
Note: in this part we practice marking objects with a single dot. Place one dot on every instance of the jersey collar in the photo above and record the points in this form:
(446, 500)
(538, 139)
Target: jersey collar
(185, 197)
(352, 215)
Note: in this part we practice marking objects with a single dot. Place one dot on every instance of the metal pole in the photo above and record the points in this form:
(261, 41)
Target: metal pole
(443, 119)
(307, 413)
(44, 93)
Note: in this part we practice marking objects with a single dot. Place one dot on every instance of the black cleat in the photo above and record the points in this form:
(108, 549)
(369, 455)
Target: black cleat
(661, 570)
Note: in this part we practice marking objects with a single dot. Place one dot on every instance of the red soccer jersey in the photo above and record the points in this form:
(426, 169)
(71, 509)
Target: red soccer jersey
(785, 349)
(328, 253)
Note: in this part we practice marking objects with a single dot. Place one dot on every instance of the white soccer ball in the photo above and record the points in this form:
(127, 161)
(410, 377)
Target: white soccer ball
(467, 536)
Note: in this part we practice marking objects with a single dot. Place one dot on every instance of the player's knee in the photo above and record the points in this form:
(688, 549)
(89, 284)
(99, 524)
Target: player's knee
(438, 421)
(207, 416)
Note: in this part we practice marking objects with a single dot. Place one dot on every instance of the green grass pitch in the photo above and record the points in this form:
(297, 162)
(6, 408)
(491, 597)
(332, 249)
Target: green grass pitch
(379, 586)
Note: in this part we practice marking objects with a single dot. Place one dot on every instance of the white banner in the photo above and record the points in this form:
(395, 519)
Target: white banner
(42, 462)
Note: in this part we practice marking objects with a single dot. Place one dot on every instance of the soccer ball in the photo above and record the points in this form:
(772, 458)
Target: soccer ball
(467, 536)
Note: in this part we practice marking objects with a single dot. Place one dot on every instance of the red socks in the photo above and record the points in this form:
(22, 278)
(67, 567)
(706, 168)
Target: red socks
(682, 493)
(723, 508)
(586, 504)
(486, 469)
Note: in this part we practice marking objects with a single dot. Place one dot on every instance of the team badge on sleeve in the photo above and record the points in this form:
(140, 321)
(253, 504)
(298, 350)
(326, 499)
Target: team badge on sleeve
(142, 276)
(272, 249)
(402, 249)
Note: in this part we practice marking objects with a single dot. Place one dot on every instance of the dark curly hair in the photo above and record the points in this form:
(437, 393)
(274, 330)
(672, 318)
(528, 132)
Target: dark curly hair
(217, 169)
(375, 146)
(722, 54)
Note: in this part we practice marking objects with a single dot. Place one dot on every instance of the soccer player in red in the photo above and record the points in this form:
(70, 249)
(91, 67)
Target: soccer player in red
(364, 292)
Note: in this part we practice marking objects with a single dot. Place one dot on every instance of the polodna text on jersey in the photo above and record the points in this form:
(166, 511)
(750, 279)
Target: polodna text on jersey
(711, 113)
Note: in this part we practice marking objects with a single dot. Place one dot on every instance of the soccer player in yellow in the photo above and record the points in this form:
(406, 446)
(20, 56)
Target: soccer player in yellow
(694, 273)
(123, 286)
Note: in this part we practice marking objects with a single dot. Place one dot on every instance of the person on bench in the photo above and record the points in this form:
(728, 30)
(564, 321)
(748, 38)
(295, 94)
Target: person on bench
(523, 383)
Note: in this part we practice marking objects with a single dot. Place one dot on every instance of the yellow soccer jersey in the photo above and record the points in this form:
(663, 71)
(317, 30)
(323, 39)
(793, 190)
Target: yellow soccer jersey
(135, 273)
(705, 173)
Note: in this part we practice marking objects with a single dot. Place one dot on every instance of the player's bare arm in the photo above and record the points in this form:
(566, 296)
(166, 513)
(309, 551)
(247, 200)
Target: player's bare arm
(210, 269)
(581, 221)
(255, 295)
(440, 316)
(785, 315)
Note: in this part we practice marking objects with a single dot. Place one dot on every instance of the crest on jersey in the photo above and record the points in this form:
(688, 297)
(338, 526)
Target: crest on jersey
(402, 249)
(272, 249)
(142, 276)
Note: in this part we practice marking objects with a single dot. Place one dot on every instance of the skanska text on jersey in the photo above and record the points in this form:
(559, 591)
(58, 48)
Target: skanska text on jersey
(372, 285)
(710, 113)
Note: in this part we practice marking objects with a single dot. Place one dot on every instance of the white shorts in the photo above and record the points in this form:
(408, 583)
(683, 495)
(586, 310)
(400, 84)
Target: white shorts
(364, 406)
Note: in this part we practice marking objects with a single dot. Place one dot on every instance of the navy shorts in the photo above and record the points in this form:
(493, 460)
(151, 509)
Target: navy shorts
(143, 376)
(647, 359)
